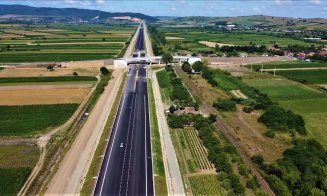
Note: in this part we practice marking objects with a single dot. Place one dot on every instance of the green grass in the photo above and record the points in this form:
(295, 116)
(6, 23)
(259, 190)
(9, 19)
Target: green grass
(163, 79)
(288, 64)
(164, 84)
(158, 165)
(224, 81)
(47, 79)
(280, 89)
(314, 112)
(312, 76)
(205, 185)
(12, 179)
(29, 120)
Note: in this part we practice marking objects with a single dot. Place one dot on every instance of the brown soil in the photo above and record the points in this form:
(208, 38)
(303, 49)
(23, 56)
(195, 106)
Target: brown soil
(35, 95)
(173, 38)
(244, 61)
(213, 44)
(42, 72)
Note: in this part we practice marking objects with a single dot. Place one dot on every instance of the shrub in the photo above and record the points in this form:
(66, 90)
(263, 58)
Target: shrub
(253, 183)
(225, 105)
(280, 119)
(75, 73)
(258, 159)
(104, 71)
(270, 134)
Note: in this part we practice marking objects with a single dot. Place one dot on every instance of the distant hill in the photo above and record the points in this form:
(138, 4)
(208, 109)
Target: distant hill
(257, 20)
(73, 13)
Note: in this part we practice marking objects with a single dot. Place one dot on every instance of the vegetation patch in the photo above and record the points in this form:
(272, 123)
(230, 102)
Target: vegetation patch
(278, 118)
(47, 79)
(33, 119)
(12, 179)
(306, 76)
(158, 165)
(300, 172)
(205, 185)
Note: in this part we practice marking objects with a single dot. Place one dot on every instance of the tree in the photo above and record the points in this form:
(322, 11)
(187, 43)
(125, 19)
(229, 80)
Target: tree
(186, 67)
(104, 71)
(50, 68)
(167, 57)
(75, 73)
(197, 66)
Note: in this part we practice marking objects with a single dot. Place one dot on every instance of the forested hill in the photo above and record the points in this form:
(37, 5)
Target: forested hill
(83, 14)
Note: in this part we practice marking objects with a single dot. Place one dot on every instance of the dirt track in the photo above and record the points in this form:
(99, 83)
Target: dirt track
(213, 44)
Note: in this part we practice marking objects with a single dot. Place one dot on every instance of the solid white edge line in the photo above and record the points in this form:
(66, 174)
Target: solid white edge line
(146, 155)
(104, 177)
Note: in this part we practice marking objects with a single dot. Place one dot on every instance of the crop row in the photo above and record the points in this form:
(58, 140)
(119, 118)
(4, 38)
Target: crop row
(197, 150)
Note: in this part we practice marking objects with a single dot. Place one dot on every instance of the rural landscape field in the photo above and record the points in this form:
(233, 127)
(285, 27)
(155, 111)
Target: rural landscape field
(198, 98)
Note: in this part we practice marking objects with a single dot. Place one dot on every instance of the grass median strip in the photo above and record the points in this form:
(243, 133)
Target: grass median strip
(96, 161)
(158, 165)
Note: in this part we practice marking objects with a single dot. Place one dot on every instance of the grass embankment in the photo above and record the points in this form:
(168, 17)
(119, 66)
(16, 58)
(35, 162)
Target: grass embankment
(48, 79)
(158, 165)
(97, 160)
(205, 185)
(29, 120)
(164, 84)
(16, 163)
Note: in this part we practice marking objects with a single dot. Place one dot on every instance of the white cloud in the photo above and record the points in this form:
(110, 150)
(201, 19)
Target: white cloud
(70, 1)
(101, 2)
(316, 2)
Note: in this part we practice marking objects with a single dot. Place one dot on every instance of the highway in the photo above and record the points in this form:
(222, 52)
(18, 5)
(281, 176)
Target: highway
(127, 164)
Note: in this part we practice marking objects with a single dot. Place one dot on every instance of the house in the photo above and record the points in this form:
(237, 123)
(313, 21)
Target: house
(301, 55)
(323, 53)
(186, 110)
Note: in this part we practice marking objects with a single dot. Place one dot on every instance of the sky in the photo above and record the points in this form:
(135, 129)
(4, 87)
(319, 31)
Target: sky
(287, 8)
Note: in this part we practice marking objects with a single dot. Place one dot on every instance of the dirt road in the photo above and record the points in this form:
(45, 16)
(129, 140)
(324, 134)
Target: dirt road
(71, 173)
(290, 69)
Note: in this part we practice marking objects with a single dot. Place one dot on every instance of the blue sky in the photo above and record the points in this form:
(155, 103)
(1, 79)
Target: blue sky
(292, 8)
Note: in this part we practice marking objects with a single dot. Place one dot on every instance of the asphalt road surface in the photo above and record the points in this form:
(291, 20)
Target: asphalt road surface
(127, 165)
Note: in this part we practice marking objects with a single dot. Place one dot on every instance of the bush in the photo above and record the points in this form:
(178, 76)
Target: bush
(270, 134)
(253, 183)
(258, 159)
(75, 73)
(225, 105)
(248, 109)
(278, 186)
(280, 119)
(104, 71)
(243, 170)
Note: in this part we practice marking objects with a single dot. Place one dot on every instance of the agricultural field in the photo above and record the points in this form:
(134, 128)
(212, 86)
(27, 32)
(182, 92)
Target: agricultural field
(192, 158)
(288, 64)
(205, 185)
(317, 76)
(189, 38)
(28, 120)
(37, 43)
(299, 98)
(16, 163)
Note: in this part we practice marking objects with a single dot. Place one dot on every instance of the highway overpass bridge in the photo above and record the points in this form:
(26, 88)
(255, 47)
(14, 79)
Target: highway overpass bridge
(140, 58)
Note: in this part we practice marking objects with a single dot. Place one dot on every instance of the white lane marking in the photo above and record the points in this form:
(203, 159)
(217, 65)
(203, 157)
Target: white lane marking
(129, 124)
(130, 152)
(105, 172)
(151, 153)
(146, 165)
